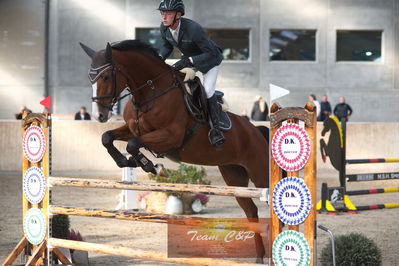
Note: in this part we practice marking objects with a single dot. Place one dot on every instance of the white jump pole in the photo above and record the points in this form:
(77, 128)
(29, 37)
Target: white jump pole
(128, 198)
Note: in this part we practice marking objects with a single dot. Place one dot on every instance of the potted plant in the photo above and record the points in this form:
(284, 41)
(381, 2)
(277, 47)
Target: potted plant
(176, 203)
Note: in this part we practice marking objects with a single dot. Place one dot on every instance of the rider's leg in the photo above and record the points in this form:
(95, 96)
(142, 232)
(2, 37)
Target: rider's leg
(215, 135)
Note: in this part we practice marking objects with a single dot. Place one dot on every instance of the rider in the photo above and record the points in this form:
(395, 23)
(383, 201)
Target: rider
(198, 51)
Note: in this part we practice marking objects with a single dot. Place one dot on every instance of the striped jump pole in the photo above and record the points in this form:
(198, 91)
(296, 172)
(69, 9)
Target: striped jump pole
(373, 191)
(374, 160)
(378, 206)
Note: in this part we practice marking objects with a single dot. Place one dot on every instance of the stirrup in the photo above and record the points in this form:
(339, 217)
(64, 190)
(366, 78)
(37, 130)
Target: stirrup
(216, 138)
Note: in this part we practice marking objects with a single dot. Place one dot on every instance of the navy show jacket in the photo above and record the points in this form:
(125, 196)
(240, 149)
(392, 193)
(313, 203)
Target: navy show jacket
(194, 43)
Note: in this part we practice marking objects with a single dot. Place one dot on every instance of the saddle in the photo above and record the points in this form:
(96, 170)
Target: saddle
(196, 104)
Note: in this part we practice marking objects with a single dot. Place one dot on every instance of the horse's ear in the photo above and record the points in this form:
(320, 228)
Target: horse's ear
(108, 53)
(90, 52)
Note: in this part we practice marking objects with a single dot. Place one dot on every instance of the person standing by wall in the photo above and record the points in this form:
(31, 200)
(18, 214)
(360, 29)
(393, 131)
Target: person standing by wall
(260, 110)
(342, 110)
(82, 114)
(325, 108)
(316, 103)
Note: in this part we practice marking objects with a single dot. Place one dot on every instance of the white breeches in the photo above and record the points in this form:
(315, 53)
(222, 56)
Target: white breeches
(209, 82)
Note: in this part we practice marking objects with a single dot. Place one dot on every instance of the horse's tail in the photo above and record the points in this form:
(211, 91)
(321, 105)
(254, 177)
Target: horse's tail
(265, 132)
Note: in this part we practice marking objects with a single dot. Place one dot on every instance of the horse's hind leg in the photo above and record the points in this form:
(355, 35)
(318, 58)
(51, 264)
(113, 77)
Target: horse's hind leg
(235, 175)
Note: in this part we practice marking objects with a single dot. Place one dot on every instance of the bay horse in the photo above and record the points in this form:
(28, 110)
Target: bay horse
(156, 118)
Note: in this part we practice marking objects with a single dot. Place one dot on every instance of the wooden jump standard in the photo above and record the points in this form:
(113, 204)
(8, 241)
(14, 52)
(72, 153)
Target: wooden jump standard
(43, 251)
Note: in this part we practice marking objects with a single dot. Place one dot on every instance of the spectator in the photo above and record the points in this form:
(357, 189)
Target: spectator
(342, 110)
(21, 112)
(244, 113)
(260, 110)
(316, 103)
(325, 108)
(82, 114)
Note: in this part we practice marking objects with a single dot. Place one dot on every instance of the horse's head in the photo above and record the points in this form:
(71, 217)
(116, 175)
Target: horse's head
(327, 124)
(103, 77)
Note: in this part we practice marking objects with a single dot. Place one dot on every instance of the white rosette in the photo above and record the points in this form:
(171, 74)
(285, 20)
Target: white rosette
(291, 147)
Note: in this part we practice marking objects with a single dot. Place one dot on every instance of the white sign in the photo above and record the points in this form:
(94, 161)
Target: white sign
(291, 147)
(277, 92)
(34, 144)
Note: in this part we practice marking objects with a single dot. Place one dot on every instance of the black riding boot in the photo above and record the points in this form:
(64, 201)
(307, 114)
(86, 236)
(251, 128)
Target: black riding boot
(215, 136)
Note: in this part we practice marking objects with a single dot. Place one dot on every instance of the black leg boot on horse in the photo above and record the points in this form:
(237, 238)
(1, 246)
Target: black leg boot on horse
(133, 146)
(215, 136)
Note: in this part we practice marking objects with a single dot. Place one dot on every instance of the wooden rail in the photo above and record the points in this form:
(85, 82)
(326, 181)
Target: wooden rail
(153, 217)
(243, 192)
(138, 253)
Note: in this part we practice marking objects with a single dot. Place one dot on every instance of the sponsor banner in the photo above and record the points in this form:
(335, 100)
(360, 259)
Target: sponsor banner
(216, 237)
(369, 177)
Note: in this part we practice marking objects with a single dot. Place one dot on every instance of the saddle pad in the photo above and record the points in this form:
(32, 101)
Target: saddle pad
(224, 123)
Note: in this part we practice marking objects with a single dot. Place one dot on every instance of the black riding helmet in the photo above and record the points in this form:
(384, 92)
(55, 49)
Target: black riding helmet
(172, 5)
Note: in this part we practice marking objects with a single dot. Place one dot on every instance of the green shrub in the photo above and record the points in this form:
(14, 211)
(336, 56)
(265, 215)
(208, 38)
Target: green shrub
(60, 226)
(185, 174)
(352, 250)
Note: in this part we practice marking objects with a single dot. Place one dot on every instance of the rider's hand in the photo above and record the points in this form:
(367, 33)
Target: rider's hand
(182, 63)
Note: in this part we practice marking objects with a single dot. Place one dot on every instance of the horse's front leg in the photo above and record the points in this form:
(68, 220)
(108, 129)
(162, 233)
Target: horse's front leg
(159, 141)
(121, 133)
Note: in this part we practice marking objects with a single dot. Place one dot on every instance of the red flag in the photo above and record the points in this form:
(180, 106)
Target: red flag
(46, 102)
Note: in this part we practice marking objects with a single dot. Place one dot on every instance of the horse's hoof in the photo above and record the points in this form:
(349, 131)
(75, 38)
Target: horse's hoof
(259, 261)
(122, 163)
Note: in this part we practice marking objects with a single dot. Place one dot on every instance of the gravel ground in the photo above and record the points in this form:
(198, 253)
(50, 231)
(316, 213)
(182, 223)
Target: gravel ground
(380, 225)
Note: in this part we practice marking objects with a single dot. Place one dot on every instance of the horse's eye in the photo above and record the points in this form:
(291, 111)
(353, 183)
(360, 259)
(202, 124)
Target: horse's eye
(106, 78)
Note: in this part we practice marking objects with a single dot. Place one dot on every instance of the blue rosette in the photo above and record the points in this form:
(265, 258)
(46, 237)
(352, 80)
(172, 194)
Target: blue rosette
(292, 200)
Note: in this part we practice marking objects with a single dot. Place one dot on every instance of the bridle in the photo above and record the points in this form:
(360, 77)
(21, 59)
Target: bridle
(95, 74)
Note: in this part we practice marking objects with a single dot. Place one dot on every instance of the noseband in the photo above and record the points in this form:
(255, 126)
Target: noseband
(95, 74)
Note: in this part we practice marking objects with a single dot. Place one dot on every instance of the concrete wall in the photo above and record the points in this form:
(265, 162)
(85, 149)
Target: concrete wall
(21, 55)
(77, 147)
(370, 88)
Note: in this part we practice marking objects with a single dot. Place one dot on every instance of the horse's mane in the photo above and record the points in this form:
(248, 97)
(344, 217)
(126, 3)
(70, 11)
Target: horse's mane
(135, 45)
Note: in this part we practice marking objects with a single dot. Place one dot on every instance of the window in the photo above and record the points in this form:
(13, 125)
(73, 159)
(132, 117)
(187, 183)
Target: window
(357, 45)
(234, 42)
(292, 45)
(152, 36)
